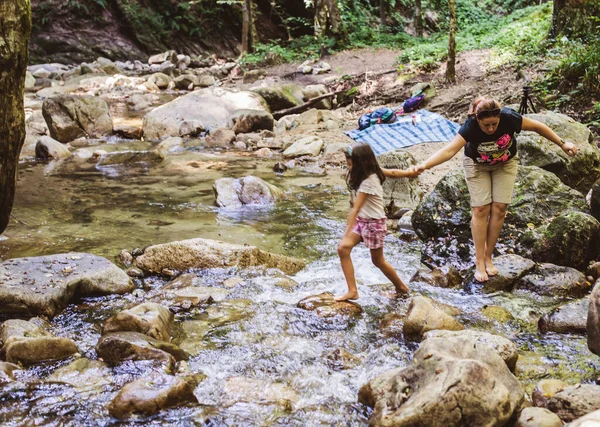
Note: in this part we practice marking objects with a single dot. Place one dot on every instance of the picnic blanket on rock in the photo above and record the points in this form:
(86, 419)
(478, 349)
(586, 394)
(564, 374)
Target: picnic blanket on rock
(406, 131)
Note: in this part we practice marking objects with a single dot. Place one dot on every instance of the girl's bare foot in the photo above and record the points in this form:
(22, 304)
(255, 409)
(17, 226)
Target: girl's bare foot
(490, 268)
(396, 295)
(348, 296)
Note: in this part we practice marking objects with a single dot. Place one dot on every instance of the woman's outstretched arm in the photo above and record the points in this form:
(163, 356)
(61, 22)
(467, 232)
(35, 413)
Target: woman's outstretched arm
(541, 129)
(443, 154)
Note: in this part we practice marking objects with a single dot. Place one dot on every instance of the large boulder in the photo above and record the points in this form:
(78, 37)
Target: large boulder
(27, 343)
(451, 382)
(570, 318)
(70, 117)
(553, 280)
(45, 285)
(575, 401)
(572, 239)
(281, 97)
(249, 190)
(578, 172)
(206, 253)
(207, 109)
(246, 121)
(149, 318)
(399, 193)
(426, 315)
(47, 148)
(593, 321)
(152, 394)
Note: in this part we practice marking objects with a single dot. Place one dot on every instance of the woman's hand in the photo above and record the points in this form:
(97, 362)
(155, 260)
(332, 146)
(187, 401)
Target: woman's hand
(569, 148)
(418, 169)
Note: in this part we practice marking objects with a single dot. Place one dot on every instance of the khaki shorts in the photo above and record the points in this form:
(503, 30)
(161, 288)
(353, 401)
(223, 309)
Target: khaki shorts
(489, 184)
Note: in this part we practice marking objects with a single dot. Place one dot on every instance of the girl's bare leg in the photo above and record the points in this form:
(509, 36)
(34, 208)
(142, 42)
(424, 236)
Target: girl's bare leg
(385, 267)
(349, 241)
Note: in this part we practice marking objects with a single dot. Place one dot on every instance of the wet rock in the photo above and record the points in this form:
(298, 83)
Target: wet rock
(243, 389)
(399, 193)
(125, 257)
(545, 390)
(206, 253)
(538, 417)
(195, 296)
(169, 55)
(285, 283)
(135, 272)
(118, 347)
(191, 339)
(245, 121)
(84, 374)
(128, 131)
(6, 372)
(47, 148)
(497, 313)
(593, 270)
(308, 146)
(26, 343)
(161, 80)
(227, 311)
(45, 285)
(575, 401)
(249, 190)
(570, 318)
(572, 239)
(150, 395)
(423, 316)
(325, 306)
(590, 420)
(444, 277)
(593, 320)
(221, 137)
(209, 108)
(579, 172)
(281, 97)
(341, 359)
(183, 281)
(510, 268)
(170, 145)
(150, 319)
(505, 348)
(452, 381)
(554, 280)
(392, 325)
(69, 117)
(129, 157)
(252, 76)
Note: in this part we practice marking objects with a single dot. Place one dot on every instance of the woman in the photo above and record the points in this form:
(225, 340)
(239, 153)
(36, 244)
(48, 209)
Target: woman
(490, 164)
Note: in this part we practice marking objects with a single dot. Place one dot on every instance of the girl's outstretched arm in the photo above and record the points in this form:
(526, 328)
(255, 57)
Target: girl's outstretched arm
(358, 203)
(541, 129)
(400, 173)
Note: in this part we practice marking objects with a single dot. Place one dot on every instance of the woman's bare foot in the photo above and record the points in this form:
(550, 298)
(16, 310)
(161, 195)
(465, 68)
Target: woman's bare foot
(490, 268)
(481, 275)
(348, 296)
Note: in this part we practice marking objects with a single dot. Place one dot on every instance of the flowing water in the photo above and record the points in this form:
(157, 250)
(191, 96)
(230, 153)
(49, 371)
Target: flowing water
(265, 360)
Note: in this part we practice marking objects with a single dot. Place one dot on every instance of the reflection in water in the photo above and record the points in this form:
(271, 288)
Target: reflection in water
(265, 360)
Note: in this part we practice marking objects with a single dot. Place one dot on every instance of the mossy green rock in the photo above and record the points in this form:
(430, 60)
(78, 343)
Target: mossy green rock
(281, 97)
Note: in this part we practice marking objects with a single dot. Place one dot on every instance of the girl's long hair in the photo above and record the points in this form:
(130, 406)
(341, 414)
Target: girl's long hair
(364, 164)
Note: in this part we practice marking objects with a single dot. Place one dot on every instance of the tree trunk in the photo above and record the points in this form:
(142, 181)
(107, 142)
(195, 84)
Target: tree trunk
(418, 18)
(15, 29)
(335, 20)
(246, 8)
(451, 64)
(575, 18)
(320, 24)
(382, 14)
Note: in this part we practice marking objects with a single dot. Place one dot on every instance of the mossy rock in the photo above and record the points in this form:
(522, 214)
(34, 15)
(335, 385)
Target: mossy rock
(281, 97)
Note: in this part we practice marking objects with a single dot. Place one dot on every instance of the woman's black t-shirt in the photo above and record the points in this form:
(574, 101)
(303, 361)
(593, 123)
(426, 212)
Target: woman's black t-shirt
(499, 147)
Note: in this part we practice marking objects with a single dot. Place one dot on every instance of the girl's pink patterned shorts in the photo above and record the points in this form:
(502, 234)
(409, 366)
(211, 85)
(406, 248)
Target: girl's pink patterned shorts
(372, 231)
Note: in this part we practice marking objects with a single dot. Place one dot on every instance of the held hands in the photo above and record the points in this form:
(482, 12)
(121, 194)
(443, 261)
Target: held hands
(417, 169)
(569, 148)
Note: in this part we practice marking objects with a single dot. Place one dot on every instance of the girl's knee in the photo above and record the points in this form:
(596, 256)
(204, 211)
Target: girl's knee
(344, 250)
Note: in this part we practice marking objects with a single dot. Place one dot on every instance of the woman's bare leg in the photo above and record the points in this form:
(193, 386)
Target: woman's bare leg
(497, 216)
(479, 229)
(349, 241)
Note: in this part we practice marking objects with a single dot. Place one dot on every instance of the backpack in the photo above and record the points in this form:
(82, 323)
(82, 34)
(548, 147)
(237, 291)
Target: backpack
(376, 117)
(414, 102)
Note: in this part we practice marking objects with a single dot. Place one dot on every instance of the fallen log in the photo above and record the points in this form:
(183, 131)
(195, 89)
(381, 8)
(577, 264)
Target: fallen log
(301, 108)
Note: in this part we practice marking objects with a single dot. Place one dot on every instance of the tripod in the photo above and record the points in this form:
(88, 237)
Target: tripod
(526, 101)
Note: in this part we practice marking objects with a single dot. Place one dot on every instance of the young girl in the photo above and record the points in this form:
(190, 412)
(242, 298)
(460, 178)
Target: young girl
(367, 220)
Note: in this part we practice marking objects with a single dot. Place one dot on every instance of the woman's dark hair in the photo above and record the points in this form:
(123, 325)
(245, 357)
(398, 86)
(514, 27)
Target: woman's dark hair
(364, 164)
(485, 107)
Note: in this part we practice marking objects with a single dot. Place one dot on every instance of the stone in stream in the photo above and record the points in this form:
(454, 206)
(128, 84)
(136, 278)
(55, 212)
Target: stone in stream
(206, 253)
(118, 158)
(570, 318)
(590, 420)
(325, 306)
(510, 268)
(243, 389)
(27, 343)
(6, 372)
(444, 277)
(151, 394)
(341, 359)
(118, 347)
(452, 381)
(553, 280)
(84, 374)
(575, 401)
(545, 390)
(149, 318)
(538, 417)
(47, 148)
(45, 285)
(426, 315)
(249, 190)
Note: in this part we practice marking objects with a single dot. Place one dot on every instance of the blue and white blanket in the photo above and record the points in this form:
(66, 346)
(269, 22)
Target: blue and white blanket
(407, 131)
